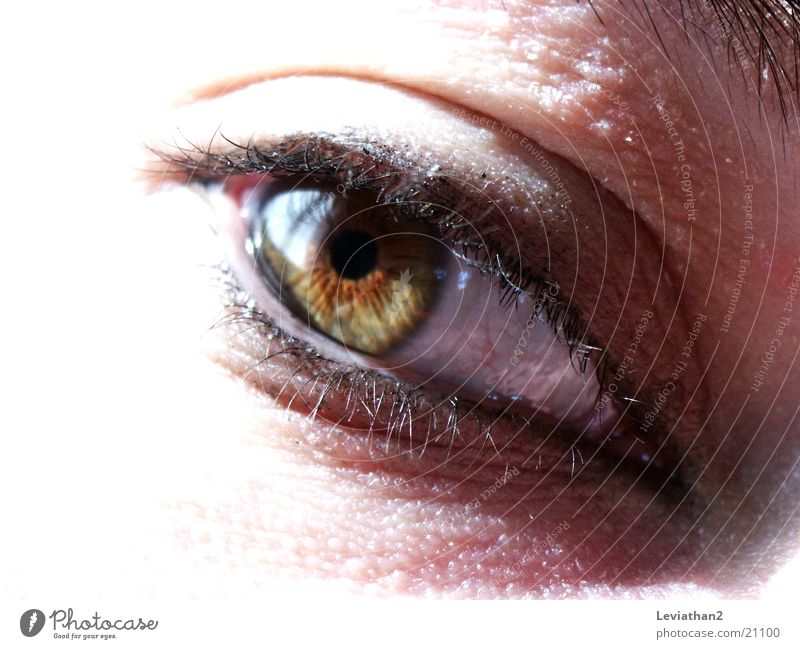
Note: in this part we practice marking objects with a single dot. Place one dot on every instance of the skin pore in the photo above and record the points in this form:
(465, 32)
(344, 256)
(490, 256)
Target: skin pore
(679, 148)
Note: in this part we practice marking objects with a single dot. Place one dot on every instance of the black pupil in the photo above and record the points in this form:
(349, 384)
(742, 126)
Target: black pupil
(354, 254)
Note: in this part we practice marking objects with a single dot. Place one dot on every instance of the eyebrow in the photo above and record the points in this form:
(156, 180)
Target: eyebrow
(760, 33)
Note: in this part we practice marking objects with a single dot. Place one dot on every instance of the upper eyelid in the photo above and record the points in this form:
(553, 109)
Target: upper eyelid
(362, 164)
(354, 165)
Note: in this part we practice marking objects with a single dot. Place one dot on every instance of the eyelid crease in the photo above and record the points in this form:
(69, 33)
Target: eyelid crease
(456, 206)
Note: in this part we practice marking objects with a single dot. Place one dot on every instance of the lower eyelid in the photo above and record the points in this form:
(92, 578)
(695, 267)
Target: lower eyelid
(402, 419)
(370, 417)
(379, 417)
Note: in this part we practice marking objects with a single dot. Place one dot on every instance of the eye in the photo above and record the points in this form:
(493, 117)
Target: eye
(398, 293)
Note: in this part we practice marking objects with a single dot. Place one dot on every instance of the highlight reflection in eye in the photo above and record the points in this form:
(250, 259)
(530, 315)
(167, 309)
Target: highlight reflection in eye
(396, 292)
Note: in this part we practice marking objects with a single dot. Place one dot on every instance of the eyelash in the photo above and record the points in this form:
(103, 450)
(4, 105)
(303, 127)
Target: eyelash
(454, 206)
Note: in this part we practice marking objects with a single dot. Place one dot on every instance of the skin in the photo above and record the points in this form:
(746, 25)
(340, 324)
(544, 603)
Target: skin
(235, 494)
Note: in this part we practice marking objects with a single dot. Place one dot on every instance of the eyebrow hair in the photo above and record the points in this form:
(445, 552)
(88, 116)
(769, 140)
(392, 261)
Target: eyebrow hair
(760, 33)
